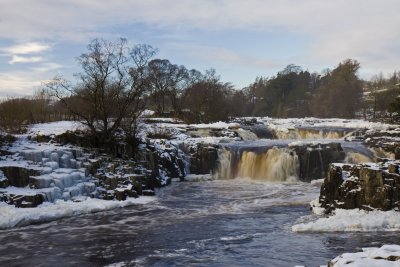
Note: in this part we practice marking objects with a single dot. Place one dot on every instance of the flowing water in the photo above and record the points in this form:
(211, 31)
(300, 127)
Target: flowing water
(223, 222)
(234, 222)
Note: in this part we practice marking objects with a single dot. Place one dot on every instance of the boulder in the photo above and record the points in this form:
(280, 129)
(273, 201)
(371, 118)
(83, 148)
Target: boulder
(361, 186)
(204, 159)
(18, 176)
(23, 201)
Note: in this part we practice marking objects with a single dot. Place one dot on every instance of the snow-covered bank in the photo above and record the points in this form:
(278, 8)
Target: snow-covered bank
(310, 122)
(385, 256)
(14, 217)
(55, 128)
(353, 221)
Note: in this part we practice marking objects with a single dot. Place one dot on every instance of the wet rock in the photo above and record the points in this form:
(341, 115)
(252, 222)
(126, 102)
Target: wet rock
(4, 182)
(131, 193)
(108, 181)
(23, 201)
(148, 192)
(315, 159)
(393, 168)
(6, 139)
(204, 159)
(163, 160)
(107, 194)
(137, 180)
(18, 176)
(397, 152)
(120, 194)
(384, 141)
(42, 138)
(363, 186)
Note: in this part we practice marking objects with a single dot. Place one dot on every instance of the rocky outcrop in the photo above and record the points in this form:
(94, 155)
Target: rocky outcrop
(314, 159)
(163, 161)
(366, 186)
(119, 179)
(6, 139)
(387, 141)
(23, 201)
(203, 159)
(17, 176)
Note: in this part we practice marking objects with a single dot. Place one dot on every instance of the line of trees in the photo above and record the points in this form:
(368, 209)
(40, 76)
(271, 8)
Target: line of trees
(118, 82)
(17, 113)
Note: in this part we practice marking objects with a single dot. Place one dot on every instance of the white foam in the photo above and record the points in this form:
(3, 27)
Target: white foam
(353, 221)
(198, 177)
(12, 217)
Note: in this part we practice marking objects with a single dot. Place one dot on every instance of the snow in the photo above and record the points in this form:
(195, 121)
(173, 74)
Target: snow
(216, 125)
(385, 256)
(147, 112)
(354, 220)
(316, 206)
(13, 217)
(285, 124)
(55, 128)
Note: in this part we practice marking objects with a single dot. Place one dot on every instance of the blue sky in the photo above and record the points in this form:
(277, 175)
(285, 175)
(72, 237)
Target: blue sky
(240, 39)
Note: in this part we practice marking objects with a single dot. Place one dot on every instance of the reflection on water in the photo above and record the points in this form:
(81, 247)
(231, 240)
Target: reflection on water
(214, 223)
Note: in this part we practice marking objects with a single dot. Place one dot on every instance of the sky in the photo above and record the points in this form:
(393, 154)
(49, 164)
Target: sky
(40, 39)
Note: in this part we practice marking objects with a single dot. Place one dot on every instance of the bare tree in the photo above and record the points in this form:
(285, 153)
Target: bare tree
(109, 90)
(167, 80)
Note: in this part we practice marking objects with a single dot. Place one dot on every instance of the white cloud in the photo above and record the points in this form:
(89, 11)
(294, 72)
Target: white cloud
(26, 48)
(335, 30)
(29, 52)
(18, 84)
(218, 55)
(24, 82)
(19, 59)
(48, 66)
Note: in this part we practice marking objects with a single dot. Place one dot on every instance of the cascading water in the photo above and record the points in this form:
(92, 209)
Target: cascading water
(275, 165)
(225, 164)
(246, 135)
(302, 133)
(284, 159)
(356, 158)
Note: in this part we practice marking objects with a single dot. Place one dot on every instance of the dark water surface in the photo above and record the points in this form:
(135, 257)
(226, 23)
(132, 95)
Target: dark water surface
(208, 223)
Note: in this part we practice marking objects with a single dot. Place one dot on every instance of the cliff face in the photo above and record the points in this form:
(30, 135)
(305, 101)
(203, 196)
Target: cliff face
(366, 186)
(315, 159)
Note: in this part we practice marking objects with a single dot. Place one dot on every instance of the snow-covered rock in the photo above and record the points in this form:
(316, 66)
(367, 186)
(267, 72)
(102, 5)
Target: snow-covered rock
(385, 256)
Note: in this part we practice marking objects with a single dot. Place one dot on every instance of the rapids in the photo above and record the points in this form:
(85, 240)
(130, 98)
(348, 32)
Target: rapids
(233, 222)
(241, 218)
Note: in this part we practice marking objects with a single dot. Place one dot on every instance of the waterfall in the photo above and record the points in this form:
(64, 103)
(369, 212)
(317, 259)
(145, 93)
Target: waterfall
(300, 133)
(355, 158)
(225, 164)
(246, 135)
(275, 164)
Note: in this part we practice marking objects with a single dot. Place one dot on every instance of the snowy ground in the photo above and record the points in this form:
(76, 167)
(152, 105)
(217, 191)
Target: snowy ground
(385, 256)
(323, 123)
(54, 128)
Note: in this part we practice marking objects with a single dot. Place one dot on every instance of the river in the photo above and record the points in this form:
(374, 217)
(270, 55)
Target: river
(235, 222)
